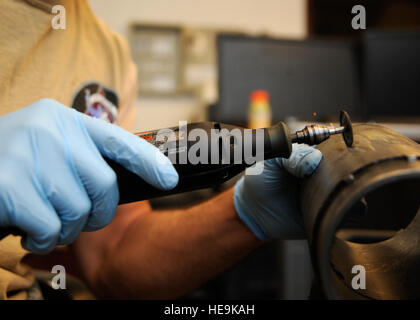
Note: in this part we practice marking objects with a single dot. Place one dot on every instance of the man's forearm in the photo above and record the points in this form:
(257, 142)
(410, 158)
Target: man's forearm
(165, 254)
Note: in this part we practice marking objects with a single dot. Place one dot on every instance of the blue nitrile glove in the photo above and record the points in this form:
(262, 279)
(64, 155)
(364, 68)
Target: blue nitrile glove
(54, 182)
(268, 203)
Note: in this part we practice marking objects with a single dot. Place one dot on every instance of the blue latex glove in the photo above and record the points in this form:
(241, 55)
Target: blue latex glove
(268, 203)
(54, 182)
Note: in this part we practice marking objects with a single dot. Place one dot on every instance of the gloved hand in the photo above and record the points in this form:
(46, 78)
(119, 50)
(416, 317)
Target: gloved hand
(268, 203)
(54, 182)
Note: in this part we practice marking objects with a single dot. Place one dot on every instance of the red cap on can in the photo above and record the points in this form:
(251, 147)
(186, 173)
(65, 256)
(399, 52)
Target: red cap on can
(259, 95)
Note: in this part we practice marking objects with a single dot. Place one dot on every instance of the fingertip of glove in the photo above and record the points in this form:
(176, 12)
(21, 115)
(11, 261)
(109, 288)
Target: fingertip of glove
(168, 176)
(154, 167)
(309, 162)
(303, 161)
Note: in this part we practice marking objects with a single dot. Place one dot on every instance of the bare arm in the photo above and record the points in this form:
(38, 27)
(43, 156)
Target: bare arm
(163, 254)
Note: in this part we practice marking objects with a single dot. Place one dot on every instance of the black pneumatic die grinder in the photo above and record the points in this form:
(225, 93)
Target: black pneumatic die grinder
(277, 143)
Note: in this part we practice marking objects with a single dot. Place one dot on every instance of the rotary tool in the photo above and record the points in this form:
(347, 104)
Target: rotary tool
(276, 141)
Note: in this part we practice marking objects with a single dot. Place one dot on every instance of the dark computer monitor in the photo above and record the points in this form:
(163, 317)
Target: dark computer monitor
(302, 77)
(392, 74)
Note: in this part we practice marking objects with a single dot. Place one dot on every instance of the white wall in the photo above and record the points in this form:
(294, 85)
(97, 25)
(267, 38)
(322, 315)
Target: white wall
(284, 18)
(278, 18)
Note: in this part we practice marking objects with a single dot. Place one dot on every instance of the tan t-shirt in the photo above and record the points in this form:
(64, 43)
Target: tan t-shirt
(86, 66)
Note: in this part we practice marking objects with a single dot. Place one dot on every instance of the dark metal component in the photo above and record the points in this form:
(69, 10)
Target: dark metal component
(348, 128)
(315, 134)
(370, 219)
(279, 138)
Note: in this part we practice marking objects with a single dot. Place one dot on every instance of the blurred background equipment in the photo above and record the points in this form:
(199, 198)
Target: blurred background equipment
(392, 75)
(303, 78)
(157, 51)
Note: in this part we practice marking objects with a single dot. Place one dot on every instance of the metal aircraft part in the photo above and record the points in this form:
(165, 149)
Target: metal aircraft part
(361, 207)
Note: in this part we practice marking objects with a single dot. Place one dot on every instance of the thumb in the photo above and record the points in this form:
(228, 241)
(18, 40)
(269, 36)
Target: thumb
(132, 152)
(303, 160)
